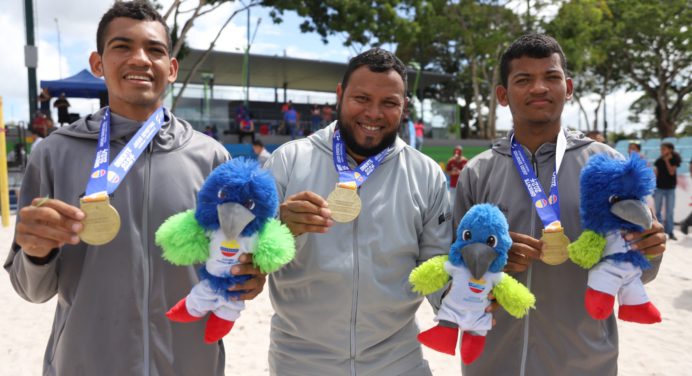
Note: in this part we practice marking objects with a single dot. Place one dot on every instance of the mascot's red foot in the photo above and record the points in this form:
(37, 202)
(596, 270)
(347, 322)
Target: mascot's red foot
(216, 328)
(598, 304)
(440, 338)
(471, 347)
(645, 313)
(179, 313)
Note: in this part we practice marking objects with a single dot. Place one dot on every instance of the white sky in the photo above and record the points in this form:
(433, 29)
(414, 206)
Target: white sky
(78, 20)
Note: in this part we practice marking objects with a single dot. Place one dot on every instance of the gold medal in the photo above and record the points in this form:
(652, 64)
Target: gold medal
(101, 221)
(554, 246)
(344, 204)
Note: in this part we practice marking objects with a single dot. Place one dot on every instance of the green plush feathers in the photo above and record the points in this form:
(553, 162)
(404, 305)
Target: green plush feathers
(514, 297)
(429, 276)
(587, 250)
(183, 240)
(275, 247)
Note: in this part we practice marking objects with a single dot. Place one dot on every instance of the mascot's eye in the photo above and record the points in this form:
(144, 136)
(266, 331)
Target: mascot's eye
(613, 199)
(491, 241)
(221, 195)
(466, 235)
(249, 204)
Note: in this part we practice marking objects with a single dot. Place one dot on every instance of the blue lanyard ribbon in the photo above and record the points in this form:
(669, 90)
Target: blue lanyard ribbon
(105, 178)
(357, 177)
(547, 207)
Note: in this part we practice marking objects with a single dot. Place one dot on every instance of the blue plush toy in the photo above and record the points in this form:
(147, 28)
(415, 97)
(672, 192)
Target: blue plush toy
(475, 263)
(234, 215)
(613, 203)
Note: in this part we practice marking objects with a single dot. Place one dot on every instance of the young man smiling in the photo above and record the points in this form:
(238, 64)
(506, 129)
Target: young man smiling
(558, 337)
(112, 297)
(344, 305)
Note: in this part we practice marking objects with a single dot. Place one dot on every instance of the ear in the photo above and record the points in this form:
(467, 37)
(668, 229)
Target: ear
(173, 71)
(501, 93)
(96, 64)
(570, 88)
(339, 94)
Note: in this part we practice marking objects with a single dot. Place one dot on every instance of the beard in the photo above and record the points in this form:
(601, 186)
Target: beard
(365, 151)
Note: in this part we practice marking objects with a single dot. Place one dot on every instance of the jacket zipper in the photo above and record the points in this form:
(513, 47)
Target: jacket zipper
(354, 296)
(145, 266)
(525, 340)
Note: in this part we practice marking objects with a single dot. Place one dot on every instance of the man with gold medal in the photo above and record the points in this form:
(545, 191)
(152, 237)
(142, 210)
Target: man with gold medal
(532, 175)
(113, 286)
(386, 211)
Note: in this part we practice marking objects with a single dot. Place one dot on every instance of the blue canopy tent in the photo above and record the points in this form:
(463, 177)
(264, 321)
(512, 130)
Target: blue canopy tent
(81, 85)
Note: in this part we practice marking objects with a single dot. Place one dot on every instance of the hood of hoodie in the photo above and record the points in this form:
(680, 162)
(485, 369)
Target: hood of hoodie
(174, 132)
(575, 140)
(322, 140)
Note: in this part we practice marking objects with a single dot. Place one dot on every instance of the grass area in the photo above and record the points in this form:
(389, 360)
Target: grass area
(443, 153)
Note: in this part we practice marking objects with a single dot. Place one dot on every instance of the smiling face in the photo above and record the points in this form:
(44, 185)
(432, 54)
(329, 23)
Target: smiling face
(136, 66)
(536, 91)
(370, 110)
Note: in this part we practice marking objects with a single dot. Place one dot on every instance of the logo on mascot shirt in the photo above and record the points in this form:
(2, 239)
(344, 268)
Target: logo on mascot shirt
(477, 285)
(229, 248)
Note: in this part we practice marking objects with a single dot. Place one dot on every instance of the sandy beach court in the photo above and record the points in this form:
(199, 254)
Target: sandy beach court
(661, 349)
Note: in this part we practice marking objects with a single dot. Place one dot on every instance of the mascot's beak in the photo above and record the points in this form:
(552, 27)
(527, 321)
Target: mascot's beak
(478, 257)
(633, 211)
(233, 218)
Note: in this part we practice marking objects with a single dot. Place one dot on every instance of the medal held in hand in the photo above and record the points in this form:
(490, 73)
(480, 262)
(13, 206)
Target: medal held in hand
(548, 207)
(554, 245)
(344, 202)
(102, 221)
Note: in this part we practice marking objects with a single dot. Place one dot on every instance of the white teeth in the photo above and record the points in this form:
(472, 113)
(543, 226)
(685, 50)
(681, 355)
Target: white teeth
(141, 78)
(370, 128)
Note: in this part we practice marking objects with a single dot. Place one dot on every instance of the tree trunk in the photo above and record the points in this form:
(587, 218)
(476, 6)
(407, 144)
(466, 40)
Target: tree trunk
(492, 115)
(583, 112)
(480, 123)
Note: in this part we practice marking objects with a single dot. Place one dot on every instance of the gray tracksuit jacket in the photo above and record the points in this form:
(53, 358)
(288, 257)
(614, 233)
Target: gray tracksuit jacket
(344, 305)
(110, 318)
(558, 337)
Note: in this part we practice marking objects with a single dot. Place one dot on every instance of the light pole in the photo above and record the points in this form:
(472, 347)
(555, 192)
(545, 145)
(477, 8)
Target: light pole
(246, 58)
(57, 27)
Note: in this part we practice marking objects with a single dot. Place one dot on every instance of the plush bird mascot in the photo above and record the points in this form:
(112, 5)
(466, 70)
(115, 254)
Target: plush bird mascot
(234, 215)
(612, 204)
(475, 263)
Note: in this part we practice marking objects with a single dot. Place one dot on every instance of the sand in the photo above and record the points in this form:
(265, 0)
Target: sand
(662, 349)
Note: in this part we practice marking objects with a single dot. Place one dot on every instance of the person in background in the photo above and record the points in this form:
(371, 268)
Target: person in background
(44, 102)
(596, 136)
(665, 168)
(454, 166)
(327, 115)
(63, 113)
(246, 128)
(688, 221)
(291, 121)
(635, 148)
(420, 133)
(315, 118)
(261, 152)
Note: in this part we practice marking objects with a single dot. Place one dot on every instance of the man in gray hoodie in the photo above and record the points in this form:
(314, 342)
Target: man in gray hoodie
(558, 337)
(344, 305)
(112, 297)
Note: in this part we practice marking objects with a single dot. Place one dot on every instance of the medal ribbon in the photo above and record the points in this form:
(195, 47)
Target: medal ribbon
(548, 208)
(106, 178)
(349, 178)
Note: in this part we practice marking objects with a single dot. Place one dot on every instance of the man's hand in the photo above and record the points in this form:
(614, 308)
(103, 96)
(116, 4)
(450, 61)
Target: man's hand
(48, 224)
(651, 242)
(523, 252)
(252, 286)
(305, 212)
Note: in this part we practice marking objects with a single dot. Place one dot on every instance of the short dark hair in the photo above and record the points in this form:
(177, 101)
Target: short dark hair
(536, 46)
(136, 9)
(258, 143)
(377, 60)
(669, 145)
